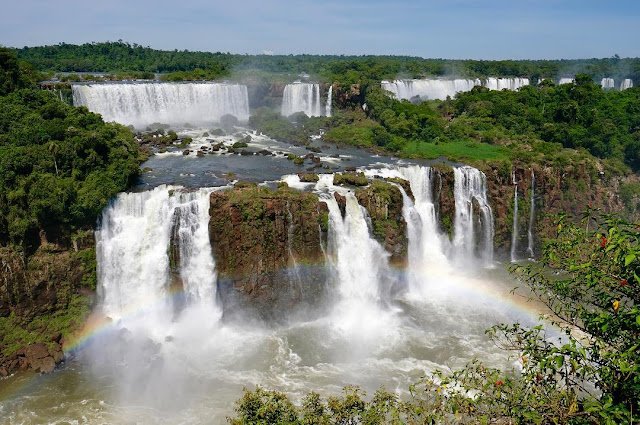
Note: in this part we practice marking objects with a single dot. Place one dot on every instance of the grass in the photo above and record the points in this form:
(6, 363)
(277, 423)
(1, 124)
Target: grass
(17, 334)
(456, 151)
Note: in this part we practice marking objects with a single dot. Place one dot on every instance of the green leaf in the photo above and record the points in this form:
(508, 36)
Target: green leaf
(638, 320)
(629, 259)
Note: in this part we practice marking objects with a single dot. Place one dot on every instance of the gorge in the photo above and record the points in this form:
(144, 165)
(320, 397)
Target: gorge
(297, 236)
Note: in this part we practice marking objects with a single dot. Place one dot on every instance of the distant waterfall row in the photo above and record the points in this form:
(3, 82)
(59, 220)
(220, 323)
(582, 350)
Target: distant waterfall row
(141, 104)
(441, 88)
(306, 97)
(177, 104)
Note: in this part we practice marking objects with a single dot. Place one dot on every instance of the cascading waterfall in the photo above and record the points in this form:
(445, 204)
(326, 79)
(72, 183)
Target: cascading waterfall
(329, 102)
(301, 97)
(532, 216)
(421, 215)
(469, 186)
(627, 83)
(360, 264)
(132, 244)
(429, 88)
(141, 104)
(514, 229)
(493, 83)
(566, 80)
(608, 83)
(438, 88)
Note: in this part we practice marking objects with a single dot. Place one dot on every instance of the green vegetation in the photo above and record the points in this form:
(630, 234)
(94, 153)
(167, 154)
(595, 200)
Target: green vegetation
(344, 70)
(353, 179)
(591, 375)
(59, 165)
(16, 332)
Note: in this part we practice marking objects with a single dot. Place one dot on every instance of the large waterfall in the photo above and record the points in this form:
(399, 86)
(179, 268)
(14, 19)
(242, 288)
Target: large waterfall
(361, 266)
(442, 88)
(329, 102)
(627, 83)
(141, 104)
(470, 187)
(305, 97)
(133, 252)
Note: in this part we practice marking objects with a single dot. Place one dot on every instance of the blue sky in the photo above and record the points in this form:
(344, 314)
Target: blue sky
(429, 28)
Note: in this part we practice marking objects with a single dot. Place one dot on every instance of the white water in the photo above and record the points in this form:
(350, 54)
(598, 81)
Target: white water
(302, 97)
(514, 228)
(608, 83)
(566, 80)
(443, 88)
(177, 104)
(493, 83)
(532, 216)
(329, 101)
(470, 185)
(132, 252)
(189, 366)
(627, 83)
(361, 266)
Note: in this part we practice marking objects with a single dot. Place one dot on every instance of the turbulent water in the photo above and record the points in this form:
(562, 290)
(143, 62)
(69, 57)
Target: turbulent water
(177, 104)
(443, 88)
(166, 354)
(305, 97)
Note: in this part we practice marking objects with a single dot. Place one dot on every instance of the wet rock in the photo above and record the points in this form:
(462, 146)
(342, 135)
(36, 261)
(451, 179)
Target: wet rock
(342, 203)
(200, 153)
(308, 177)
(185, 152)
(264, 152)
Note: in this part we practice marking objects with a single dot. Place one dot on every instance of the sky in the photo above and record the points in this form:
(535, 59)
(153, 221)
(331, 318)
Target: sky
(456, 29)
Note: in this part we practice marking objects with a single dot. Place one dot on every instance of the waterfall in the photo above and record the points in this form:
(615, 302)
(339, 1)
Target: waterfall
(429, 88)
(132, 251)
(359, 265)
(607, 83)
(566, 80)
(329, 101)
(428, 247)
(360, 260)
(532, 215)
(505, 83)
(627, 83)
(141, 104)
(469, 186)
(439, 88)
(301, 97)
(514, 229)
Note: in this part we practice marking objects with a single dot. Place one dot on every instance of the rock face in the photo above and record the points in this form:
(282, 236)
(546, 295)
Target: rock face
(569, 190)
(384, 203)
(39, 287)
(259, 235)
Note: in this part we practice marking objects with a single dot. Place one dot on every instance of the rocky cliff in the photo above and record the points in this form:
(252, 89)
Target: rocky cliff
(43, 298)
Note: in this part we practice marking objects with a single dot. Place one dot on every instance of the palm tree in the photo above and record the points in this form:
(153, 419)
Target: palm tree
(53, 147)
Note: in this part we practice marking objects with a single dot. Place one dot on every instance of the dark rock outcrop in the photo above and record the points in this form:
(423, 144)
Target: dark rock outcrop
(257, 233)
(384, 203)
